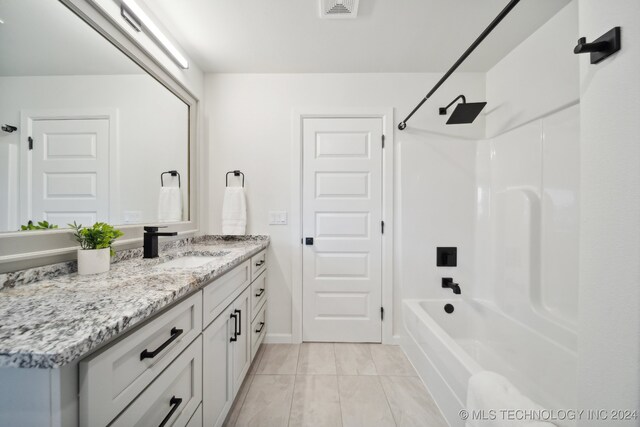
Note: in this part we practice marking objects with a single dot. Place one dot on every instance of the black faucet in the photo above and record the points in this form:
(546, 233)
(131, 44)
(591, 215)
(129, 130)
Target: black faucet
(447, 282)
(151, 241)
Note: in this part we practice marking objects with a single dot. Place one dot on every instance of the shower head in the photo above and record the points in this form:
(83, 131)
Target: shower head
(465, 112)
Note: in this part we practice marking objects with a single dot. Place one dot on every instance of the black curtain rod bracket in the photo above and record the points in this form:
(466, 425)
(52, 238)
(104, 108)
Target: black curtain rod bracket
(602, 47)
(504, 12)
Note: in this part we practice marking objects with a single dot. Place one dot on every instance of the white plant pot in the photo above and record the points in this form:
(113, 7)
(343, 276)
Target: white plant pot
(93, 261)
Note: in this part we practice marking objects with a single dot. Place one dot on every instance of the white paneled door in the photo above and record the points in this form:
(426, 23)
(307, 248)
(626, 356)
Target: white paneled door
(342, 213)
(69, 171)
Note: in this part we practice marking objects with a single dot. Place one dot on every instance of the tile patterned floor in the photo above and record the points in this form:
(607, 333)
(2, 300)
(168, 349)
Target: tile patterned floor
(325, 384)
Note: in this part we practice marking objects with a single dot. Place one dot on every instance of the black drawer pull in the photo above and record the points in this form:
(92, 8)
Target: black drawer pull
(260, 292)
(174, 402)
(260, 328)
(234, 338)
(175, 333)
(240, 321)
(261, 262)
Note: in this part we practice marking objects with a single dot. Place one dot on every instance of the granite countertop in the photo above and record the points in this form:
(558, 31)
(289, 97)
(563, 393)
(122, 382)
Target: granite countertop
(61, 317)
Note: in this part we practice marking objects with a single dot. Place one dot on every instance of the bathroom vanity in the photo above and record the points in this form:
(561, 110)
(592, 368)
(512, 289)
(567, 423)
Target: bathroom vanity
(165, 341)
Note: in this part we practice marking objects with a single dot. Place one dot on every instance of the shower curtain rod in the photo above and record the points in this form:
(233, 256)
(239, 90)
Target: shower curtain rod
(403, 124)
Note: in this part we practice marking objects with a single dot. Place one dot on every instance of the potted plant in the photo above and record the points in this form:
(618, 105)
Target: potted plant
(94, 255)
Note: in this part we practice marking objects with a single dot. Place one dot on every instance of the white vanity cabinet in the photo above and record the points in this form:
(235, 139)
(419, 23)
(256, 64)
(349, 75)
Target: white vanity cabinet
(111, 379)
(229, 346)
(242, 346)
(226, 358)
(172, 399)
(181, 367)
(217, 391)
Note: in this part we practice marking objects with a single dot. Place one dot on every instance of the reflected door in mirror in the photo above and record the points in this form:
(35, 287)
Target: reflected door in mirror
(69, 171)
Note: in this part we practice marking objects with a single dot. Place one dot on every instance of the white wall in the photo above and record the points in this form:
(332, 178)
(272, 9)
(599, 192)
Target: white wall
(609, 344)
(249, 122)
(152, 131)
(537, 77)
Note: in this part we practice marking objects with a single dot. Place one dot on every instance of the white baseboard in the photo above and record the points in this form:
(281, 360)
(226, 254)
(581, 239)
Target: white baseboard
(278, 339)
(288, 339)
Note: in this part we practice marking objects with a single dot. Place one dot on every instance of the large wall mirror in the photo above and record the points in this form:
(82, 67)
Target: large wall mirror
(87, 134)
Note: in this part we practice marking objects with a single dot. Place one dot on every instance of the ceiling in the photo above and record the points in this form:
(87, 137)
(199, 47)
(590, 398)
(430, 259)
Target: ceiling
(288, 36)
(44, 38)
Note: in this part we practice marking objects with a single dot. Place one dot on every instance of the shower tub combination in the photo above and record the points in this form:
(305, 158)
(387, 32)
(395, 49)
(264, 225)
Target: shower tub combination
(448, 348)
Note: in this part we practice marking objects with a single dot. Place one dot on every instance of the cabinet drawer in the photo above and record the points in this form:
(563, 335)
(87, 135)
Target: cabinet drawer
(258, 330)
(112, 378)
(258, 293)
(221, 292)
(173, 397)
(258, 264)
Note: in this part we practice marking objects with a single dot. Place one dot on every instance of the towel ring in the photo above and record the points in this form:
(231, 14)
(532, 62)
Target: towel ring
(172, 173)
(235, 173)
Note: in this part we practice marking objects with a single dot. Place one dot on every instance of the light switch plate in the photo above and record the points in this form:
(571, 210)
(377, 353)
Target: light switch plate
(277, 217)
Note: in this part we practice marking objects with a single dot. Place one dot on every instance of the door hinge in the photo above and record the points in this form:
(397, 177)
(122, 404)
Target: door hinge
(382, 141)
(30, 143)
(381, 313)
(382, 226)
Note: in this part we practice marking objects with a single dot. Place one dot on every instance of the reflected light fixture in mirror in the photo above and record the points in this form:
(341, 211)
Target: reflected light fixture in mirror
(144, 19)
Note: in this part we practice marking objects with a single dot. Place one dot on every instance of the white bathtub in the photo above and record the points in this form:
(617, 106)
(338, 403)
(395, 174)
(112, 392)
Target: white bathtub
(447, 349)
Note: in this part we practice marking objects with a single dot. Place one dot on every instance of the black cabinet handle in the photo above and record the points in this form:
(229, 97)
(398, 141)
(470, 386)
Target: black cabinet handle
(234, 338)
(261, 262)
(240, 321)
(260, 328)
(260, 292)
(174, 402)
(175, 333)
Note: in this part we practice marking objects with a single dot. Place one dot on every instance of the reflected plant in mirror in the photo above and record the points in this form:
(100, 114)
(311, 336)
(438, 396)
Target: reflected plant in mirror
(41, 225)
(91, 131)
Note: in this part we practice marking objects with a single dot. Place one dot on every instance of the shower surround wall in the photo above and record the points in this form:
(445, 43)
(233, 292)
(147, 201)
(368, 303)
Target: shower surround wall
(529, 195)
(528, 176)
(528, 179)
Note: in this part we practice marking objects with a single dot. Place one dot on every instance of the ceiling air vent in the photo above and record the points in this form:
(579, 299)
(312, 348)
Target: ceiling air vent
(339, 9)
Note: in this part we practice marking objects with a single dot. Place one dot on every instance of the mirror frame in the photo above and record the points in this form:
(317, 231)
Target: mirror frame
(21, 249)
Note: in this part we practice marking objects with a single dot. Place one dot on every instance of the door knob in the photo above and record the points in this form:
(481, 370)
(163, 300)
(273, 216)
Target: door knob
(308, 241)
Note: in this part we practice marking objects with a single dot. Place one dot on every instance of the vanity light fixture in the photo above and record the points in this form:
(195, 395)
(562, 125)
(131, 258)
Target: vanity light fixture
(137, 15)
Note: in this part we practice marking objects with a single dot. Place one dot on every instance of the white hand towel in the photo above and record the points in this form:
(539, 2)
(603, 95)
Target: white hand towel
(488, 391)
(170, 204)
(234, 212)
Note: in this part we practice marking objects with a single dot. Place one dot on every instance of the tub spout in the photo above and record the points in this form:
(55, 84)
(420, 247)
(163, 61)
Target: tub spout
(447, 282)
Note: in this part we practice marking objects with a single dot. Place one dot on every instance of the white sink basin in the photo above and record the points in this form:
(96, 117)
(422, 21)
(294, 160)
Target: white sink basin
(187, 262)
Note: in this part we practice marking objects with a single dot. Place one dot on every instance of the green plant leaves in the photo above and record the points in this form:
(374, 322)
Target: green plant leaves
(42, 225)
(99, 236)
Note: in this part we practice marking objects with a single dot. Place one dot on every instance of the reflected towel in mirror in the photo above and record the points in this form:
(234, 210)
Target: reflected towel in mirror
(170, 204)
(234, 212)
